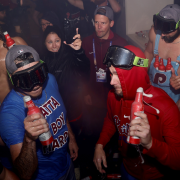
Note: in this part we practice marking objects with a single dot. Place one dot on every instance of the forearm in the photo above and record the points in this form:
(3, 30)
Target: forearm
(26, 163)
(107, 132)
(77, 3)
(164, 153)
(35, 17)
(167, 151)
(70, 132)
(115, 6)
(7, 175)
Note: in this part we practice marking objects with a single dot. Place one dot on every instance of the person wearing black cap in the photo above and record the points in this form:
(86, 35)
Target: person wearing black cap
(20, 132)
(164, 41)
(149, 137)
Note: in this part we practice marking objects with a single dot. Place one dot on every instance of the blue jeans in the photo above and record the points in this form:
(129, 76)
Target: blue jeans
(125, 175)
(70, 175)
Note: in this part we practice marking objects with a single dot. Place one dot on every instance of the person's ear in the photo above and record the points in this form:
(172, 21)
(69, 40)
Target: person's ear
(111, 23)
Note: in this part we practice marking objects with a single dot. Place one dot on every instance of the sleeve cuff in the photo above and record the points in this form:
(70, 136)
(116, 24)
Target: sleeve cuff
(79, 52)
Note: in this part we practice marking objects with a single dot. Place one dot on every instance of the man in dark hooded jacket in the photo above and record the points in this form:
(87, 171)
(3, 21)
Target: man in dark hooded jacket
(158, 127)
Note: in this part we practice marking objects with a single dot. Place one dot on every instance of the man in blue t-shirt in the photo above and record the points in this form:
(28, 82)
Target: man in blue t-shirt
(20, 132)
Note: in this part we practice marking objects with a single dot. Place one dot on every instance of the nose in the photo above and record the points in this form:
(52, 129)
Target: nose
(54, 45)
(112, 82)
(99, 26)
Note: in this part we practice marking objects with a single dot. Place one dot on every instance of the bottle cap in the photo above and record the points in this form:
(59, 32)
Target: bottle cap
(26, 98)
(5, 32)
(140, 89)
(169, 59)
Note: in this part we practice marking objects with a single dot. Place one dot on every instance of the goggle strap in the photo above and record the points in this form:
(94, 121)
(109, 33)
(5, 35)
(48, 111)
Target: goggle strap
(140, 62)
(177, 24)
(41, 61)
(10, 78)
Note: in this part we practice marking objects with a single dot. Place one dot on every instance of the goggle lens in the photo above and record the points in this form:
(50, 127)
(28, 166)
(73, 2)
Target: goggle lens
(123, 58)
(26, 80)
(119, 56)
(165, 26)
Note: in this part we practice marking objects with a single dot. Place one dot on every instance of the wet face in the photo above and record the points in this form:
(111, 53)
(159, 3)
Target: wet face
(2, 15)
(115, 81)
(171, 37)
(102, 26)
(37, 90)
(45, 23)
(53, 42)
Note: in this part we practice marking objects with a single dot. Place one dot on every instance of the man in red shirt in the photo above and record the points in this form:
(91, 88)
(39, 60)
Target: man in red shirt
(158, 127)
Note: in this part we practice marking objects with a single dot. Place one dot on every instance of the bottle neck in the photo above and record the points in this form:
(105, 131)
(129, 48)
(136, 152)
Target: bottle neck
(30, 104)
(139, 97)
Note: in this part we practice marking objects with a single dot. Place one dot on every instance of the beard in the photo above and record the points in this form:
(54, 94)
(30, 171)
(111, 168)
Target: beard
(170, 39)
(118, 95)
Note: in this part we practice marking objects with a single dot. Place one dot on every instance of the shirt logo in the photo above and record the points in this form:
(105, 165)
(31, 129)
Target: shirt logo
(126, 117)
(20, 51)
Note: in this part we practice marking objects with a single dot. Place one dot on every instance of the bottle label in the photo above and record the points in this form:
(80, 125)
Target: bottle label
(7, 37)
(45, 136)
(133, 140)
(11, 46)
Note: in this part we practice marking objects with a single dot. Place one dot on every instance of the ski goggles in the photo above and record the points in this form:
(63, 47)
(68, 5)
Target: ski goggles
(29, 78)
(166, 26)
(123, 58)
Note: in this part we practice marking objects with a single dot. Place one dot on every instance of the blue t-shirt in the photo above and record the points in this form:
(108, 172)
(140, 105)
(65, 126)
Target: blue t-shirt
(52, 163)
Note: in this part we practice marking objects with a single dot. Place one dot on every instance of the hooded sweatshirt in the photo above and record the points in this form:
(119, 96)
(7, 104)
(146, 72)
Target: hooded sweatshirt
(165, 126)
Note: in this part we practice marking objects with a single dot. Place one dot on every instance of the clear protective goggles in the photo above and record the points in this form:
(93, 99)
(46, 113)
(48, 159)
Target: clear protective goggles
(123, 58)
(29, 78)
(166, 26)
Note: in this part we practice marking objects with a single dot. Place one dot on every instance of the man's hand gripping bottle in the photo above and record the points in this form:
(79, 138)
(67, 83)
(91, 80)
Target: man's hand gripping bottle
(137, 106)
(45, 138)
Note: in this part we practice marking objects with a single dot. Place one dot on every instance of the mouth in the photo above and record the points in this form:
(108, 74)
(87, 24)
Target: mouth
(36, 88)
(55, 49)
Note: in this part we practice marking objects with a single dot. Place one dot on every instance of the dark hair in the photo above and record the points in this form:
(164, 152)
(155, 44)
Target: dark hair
(2, 38)
(49, 30)
(23, 57)
(52, 18)
(52, 29)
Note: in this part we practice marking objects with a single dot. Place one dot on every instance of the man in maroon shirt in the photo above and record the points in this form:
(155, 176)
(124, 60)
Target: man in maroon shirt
(96, 90)
(95, 47)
